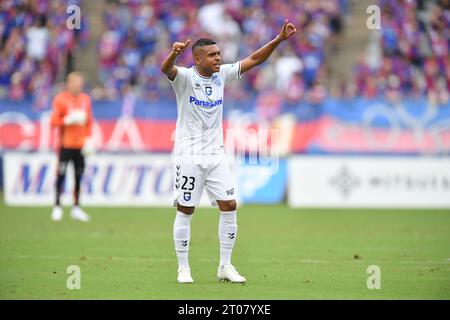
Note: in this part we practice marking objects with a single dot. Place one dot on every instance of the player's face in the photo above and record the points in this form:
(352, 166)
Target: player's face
(208, 58)
(75, 84)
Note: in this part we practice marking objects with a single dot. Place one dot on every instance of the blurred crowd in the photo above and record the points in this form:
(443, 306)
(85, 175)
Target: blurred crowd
(35, 44)
(408, 56)
(138, 35)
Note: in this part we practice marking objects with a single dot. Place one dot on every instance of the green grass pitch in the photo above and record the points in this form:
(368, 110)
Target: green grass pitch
(127, 253)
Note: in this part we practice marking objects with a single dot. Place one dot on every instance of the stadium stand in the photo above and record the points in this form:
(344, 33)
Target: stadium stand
(413, 53)
(36, 48)
(409, 56)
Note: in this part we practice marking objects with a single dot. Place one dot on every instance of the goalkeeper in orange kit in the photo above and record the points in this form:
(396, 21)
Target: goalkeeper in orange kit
(72, 115)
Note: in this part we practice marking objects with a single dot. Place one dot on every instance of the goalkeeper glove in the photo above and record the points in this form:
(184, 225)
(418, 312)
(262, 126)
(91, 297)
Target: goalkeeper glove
(88, 147)
(75, 117)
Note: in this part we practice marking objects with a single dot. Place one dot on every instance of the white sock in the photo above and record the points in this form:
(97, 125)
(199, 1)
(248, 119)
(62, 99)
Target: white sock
(227, 235)
(181, 237)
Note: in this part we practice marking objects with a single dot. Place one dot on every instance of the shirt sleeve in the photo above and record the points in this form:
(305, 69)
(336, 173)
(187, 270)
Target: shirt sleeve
(57, 116)
(90, 117)
(231, 71)
(181, 78)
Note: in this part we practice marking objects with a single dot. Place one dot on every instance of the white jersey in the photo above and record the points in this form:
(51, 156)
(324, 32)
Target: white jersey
(199, 102)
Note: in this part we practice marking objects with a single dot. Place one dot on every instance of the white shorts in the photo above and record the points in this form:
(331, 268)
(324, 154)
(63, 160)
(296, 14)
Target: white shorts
(212, 173)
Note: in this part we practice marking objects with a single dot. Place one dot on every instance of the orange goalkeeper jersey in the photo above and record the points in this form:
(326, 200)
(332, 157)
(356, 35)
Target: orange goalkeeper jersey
(72, 136)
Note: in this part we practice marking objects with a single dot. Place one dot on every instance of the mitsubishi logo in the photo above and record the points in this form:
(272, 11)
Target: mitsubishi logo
(345, 181)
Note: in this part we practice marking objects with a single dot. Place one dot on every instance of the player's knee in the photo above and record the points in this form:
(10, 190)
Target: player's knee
(79, 172)
(185, 210)
(61, 171)
(230, 205)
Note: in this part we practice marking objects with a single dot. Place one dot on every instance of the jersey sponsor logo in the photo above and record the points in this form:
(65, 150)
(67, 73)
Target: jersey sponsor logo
(208, 90)
(206, 104)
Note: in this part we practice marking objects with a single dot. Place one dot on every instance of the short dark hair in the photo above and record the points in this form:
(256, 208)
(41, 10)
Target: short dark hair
(202, 42)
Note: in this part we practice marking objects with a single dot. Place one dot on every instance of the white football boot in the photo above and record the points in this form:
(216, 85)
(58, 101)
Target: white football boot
(78, 214)
(57, 213)
(228, 272)
(184, 275)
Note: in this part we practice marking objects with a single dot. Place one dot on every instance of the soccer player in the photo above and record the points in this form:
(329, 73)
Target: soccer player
(198, 155)
(72, 115)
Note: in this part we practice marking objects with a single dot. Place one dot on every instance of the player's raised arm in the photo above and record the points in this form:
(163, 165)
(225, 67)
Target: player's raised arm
(168, 66)
(261, 55)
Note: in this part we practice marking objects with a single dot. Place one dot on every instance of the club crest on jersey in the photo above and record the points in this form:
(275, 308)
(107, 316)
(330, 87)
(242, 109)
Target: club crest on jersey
(208, 90)
(187, 196)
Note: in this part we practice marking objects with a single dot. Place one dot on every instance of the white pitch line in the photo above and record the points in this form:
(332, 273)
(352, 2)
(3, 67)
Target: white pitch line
(305, 261)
